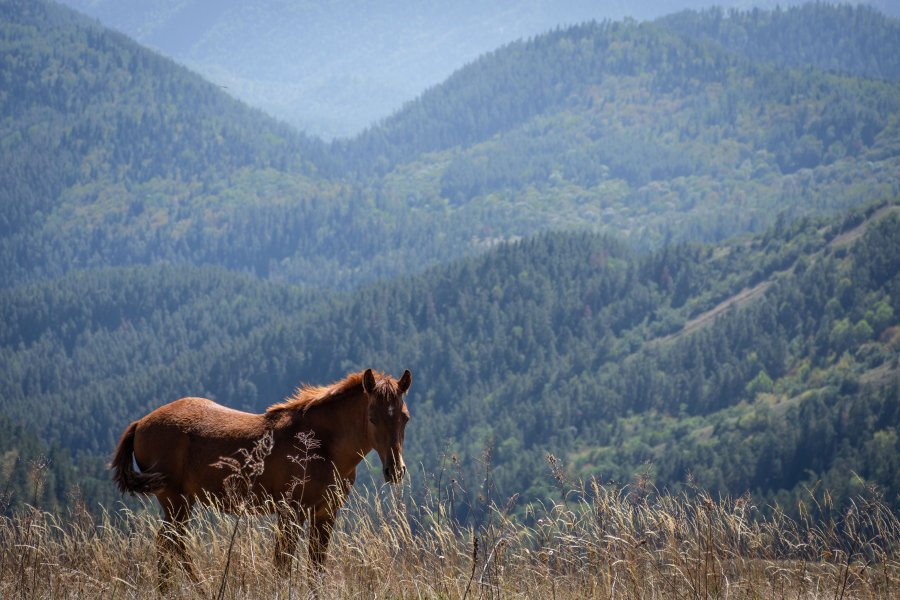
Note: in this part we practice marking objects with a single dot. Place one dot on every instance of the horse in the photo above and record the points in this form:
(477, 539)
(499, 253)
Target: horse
(176, 453)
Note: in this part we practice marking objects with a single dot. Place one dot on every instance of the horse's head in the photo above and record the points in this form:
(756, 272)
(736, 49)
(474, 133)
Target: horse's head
(388, 416)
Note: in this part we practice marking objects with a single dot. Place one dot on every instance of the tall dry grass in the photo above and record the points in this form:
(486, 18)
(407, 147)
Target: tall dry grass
(600, 542)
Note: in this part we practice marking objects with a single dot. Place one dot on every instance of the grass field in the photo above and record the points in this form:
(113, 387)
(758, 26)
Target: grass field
(597, 542)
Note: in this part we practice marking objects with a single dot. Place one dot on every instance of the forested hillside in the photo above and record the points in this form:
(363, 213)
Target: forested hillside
(673, 59)
(643, 132)
(334, 71)
(544, 240)
(561, 344)
(118, 157)
(808, 35)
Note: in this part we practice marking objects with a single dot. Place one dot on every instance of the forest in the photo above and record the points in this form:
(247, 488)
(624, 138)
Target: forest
(624, 251)
(565, 344)
(647, 133)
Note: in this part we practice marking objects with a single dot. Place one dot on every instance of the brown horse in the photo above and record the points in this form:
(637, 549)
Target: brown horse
(179, 450)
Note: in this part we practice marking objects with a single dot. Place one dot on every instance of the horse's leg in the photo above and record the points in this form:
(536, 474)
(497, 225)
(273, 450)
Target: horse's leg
(170, 542)
(319, 536)
(290, 522)
(323, 521)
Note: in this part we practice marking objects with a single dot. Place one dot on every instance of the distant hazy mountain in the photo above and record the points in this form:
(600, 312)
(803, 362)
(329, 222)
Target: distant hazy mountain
(333, 68)
(113, 155)
(808, 35)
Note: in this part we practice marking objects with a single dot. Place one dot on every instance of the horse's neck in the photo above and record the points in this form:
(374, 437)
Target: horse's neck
(343, 423)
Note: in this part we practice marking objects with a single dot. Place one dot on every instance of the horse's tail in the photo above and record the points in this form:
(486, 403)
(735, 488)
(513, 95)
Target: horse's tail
(126, 478)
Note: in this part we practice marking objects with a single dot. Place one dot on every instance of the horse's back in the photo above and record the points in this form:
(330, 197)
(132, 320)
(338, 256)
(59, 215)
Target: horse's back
(201, 417)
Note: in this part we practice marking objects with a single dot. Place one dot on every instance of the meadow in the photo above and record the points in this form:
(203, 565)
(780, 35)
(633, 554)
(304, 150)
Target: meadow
(596, 541)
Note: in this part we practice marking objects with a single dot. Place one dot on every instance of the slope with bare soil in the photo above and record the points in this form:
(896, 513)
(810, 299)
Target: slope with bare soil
(750, 294)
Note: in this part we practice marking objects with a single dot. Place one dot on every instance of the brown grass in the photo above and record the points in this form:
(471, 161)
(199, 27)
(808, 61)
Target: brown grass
(601, 542)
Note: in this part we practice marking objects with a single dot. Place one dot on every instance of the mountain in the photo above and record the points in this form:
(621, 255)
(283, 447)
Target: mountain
(115, 156)
(111, 151)
(333, 69)
(807, 35)
(525, 238)
(571, 71)
(118, 157)
(632, 128)
(758, 365)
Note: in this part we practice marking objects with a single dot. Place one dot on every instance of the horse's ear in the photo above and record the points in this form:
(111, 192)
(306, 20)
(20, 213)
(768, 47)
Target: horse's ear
(404, 382)
(369, 381)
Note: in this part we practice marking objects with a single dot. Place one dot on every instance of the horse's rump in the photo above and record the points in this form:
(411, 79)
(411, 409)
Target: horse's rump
(126, 478)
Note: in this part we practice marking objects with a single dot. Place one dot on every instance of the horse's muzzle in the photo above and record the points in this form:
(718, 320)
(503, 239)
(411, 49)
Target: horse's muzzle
(394, 473)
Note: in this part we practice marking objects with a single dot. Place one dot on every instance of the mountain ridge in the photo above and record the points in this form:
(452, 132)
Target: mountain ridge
(652, 149)
(822, 23)
(336, 71)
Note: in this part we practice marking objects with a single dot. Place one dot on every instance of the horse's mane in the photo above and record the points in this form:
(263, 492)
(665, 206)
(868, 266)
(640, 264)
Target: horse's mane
(306, 396)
